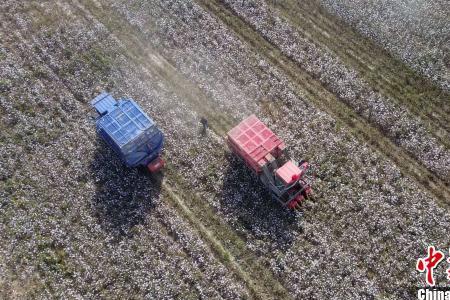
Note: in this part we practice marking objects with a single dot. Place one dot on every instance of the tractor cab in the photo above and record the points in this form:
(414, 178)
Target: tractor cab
(289, 181)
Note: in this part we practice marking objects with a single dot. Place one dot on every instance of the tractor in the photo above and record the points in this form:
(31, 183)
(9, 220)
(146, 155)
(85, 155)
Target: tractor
(263, 152)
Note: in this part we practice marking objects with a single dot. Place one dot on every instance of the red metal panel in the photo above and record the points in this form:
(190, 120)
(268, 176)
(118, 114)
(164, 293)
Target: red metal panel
(156, 165)
(289, 172)
(253, 141)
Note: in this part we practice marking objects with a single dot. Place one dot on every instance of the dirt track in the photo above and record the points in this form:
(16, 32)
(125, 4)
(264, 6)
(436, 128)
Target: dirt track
(77, 223)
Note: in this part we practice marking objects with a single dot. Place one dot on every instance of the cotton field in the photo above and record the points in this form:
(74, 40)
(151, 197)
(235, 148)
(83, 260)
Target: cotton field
(364, 108)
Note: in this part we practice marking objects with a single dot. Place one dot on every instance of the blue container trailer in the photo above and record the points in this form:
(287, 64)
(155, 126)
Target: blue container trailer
(129, 131)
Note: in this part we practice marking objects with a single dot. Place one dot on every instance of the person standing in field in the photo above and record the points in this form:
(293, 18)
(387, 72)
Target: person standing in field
(204, 123)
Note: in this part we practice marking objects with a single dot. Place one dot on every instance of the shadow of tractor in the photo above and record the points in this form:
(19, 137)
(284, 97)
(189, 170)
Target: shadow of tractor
(124, 196)
(244, 196)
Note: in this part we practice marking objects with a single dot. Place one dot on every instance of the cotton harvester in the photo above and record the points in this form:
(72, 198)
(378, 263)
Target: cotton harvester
(129, 131)
(262, 151)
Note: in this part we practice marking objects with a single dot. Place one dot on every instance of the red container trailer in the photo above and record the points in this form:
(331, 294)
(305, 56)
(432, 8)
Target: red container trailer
(263, 152)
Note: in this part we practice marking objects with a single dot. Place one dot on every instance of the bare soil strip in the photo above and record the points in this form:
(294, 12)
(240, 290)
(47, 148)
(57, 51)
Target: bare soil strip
(314, 91)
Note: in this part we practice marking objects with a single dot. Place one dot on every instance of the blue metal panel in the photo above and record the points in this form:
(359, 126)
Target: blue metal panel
(103, 103)
(130, 132)
(125, 123)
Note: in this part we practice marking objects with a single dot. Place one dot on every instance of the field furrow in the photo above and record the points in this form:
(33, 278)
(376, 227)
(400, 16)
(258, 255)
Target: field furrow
(385, 74)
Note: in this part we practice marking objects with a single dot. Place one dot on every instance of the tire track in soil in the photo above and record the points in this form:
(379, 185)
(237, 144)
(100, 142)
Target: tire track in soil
(260, 282)
(215, 245)
(328, 102)
(174, 201)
